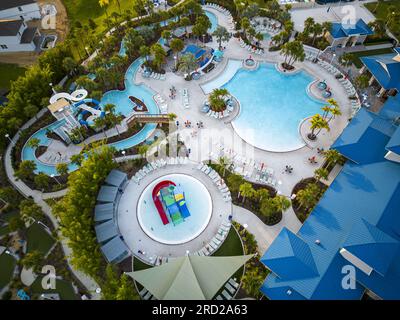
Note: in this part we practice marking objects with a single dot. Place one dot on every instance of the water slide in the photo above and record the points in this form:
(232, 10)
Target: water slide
(75, 96)
(157, 201)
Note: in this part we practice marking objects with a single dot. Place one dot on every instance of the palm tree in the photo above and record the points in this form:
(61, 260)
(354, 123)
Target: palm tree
(223, 162)
(62, 168)
(262, 194)
(317, 123)
(293, 51)
(335, 111)
(317, 30)
(217, 99)
(321, 173)
(252, 281)
(166, 35)
(33, 143)
(246, 190)
(281, 203)
(144, 52)
(187, 63)
(331, 156)
(105, 3)
(185, 22)
(222, 35)
(308, 197)
(176, 46)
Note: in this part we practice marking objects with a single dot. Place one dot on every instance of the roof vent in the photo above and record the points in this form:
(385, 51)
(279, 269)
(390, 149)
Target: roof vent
(317, 242)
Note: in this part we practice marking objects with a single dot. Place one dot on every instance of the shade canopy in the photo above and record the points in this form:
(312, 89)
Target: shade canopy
(189, 277)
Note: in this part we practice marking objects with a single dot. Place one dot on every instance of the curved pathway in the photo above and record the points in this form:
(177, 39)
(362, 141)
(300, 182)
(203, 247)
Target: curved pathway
(263, 233)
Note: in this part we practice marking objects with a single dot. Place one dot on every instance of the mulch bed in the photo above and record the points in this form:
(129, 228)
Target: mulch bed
(301, 212)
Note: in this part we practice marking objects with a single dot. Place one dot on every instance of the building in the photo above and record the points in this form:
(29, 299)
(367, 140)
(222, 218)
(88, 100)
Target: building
(348, 35)
(16, 36)
(19, 10)
(354, 230)
(385, 69)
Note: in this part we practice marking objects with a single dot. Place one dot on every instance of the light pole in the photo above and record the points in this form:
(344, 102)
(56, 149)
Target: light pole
(123, 153)
(54, 177)
(333, 57)
(8, 137)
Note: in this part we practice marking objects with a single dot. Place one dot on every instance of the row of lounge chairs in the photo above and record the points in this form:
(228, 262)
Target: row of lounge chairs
(216, 241)
(219, 8)
(250, 48)
(219, 115)
(232, 286)
(55, 158)
(148, 168)
(185, 98)
(146, 295)
(247, 167)
(218, 181)
(153, 75)
(161, 102)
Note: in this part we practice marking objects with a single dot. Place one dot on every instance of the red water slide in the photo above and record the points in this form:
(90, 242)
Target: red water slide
(157, 201)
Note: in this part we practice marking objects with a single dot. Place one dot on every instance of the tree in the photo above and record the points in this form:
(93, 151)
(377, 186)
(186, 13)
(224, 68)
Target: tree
(126, 290)
(33, 143)
(222, 35)
(262, 194)
(62, 168)
(159, 55)
(70, 65)
(26, 170)
(246, 191)
(201, 26)
(321, 173)
(41, 180)
(30, 110)
(309, 196)
(362, 81)
(332, 156)
(185, 22)
(111, 284)
(105, 3)
(379, 27)
(15, 224)
(346, 59)
(30, 210)
(34, 260)
(75, 209)
(217, 99)
(9, 195)
(176, 46)
(77, 159)
(293, 51)
(252, 281)
(234, 182)
(317, 123)
(166, 35)
(224, 162)
(187, 63)
(144, 52)
(281, 203)
(112, 119)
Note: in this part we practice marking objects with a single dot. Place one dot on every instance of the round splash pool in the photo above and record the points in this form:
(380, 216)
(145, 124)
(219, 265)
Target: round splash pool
(198, 203)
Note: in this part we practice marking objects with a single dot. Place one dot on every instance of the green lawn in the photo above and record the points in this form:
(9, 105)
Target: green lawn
(9, 73)
(63, 288)
(232, 245)
(382, 10)
(83, 10)
(7, 264)
(357, 55)
(38, 239)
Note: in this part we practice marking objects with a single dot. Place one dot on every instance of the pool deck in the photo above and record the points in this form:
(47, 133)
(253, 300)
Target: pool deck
(136, 239)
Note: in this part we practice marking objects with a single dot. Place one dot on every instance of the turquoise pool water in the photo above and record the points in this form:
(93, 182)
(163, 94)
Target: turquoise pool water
(272, 107)
(213, 19)
(199, 204)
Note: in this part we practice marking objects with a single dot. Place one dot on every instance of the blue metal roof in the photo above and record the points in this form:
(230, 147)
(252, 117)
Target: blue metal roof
(363, 138)
(394, 142)
(391, 108)
(341, 30)
(385, 69)
(359, 212)
(195, 50)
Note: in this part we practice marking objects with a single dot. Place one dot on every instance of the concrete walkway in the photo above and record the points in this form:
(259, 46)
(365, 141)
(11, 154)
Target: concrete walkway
(263, 233)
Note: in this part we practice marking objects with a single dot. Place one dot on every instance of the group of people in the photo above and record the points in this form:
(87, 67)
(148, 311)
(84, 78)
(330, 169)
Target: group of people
(172, 92)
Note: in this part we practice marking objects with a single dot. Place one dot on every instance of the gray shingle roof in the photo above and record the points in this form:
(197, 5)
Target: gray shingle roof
(115, 250)
(8, 4)
(28, 35)
(103, 212)
(10, 28)
(106, 231)
(116, 178)
(107, 194)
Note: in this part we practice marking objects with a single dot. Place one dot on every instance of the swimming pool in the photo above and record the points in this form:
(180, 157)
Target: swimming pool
(123, 105)
(273, 105)
(213, 19)
(199, 204)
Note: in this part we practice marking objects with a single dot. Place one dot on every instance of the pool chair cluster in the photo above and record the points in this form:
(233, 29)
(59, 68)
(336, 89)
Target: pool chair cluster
(226, 12)
(161, 103)
(112, 243)
(247, 167)
(250, 48)
(216, 241)
(185, 98)
(229, 291)
(230, 106)
(268, 25)
(154, 75)
(217, 179)
(157, 164)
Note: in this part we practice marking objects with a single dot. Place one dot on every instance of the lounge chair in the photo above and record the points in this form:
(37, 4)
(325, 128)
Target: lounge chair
(219, 297)
(233, 283)
(226, 295)
(231, 289)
